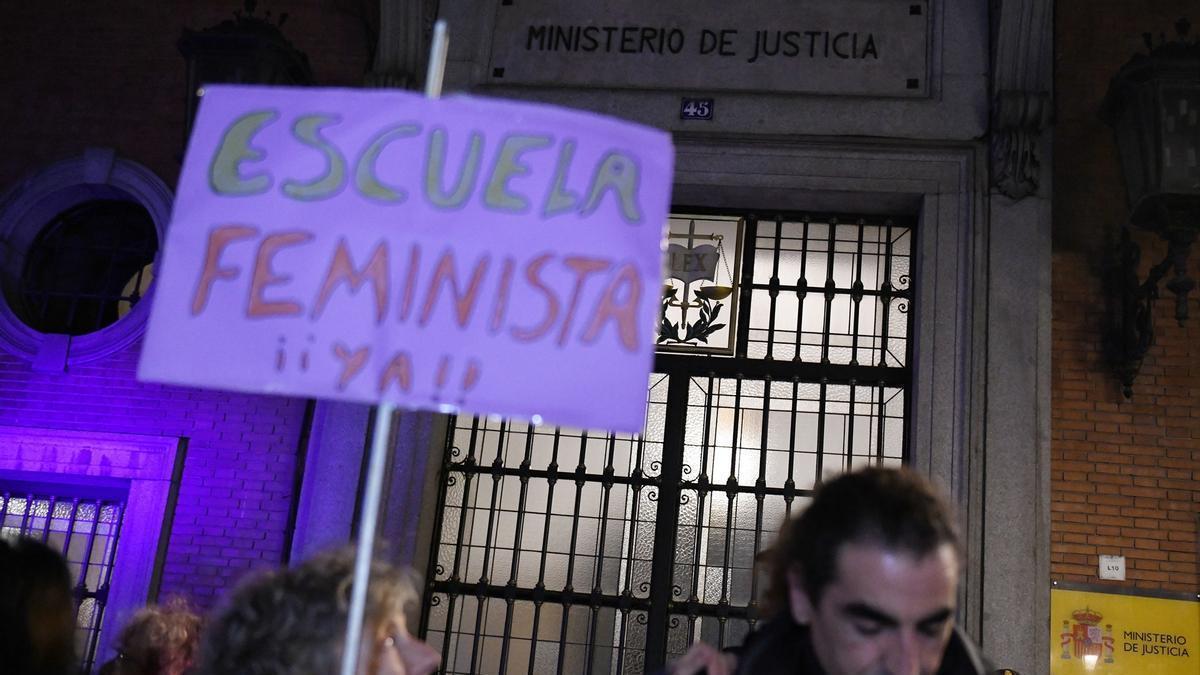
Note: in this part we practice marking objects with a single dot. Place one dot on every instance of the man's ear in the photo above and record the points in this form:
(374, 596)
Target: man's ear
(799, 603)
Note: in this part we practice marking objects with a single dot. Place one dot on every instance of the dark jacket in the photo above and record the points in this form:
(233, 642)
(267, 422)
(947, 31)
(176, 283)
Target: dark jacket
(783, 647)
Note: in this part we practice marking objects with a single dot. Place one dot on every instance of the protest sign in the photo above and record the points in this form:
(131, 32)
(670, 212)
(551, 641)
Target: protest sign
(490, 256)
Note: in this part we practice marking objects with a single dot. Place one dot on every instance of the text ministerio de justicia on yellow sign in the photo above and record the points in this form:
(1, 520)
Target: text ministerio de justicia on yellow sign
(1116, 634)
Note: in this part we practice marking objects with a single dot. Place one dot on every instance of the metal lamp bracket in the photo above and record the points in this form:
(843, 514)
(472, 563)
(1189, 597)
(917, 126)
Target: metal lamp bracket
(1135, 330)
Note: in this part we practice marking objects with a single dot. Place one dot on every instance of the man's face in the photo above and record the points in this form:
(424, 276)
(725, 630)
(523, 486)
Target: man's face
(885, 613)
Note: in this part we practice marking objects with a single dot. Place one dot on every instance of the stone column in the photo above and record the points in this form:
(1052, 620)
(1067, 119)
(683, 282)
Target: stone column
(1016, 536)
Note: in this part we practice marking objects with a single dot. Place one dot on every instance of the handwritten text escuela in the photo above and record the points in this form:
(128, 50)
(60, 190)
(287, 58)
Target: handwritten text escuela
(408, 283)
(616, 173)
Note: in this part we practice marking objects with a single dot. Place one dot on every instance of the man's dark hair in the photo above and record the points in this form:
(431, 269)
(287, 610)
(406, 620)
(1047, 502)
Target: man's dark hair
(894, 508)
(37, 613)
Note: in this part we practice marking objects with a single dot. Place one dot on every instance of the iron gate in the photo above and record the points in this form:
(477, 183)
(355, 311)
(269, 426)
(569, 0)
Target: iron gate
(561, 550)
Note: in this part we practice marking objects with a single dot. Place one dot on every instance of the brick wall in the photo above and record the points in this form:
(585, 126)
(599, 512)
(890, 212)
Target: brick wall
(238, 478)
(1125, 473)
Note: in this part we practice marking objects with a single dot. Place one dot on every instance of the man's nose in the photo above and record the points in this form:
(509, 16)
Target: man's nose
(905, 656)
(423, 659)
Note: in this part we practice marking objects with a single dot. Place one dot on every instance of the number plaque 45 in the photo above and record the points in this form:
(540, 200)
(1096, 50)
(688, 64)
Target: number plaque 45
(696, 109)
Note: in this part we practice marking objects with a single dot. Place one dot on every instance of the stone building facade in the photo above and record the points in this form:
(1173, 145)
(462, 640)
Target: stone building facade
(937, 120)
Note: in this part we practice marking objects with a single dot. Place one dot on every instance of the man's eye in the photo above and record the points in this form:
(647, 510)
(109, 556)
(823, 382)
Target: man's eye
(867, 628)
(932, 630)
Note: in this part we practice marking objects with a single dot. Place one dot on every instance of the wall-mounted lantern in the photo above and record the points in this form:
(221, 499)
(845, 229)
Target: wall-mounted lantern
(1153, 106)
(246, 49)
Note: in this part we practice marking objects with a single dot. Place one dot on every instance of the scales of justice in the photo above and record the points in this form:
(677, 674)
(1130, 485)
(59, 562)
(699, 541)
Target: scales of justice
(693, 265)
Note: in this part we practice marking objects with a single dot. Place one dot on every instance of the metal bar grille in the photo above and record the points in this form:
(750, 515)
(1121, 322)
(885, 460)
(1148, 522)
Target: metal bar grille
(87, 267)
(754, 447)
(85, 529)
(574, 586)
(569, 551)
(857, 314)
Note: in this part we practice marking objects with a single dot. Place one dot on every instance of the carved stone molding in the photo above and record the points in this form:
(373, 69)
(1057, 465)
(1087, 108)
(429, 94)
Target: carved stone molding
(1018, 118)
(1022, 106)
(405, 27)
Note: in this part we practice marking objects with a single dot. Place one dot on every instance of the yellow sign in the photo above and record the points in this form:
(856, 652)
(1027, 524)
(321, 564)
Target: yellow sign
(1110, 634)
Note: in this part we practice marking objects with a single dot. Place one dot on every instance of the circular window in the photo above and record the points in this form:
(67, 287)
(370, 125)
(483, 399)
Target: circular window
(78, 241)
(86, 268)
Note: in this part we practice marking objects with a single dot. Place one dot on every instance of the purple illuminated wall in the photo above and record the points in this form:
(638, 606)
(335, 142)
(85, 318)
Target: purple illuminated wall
(237, 483)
